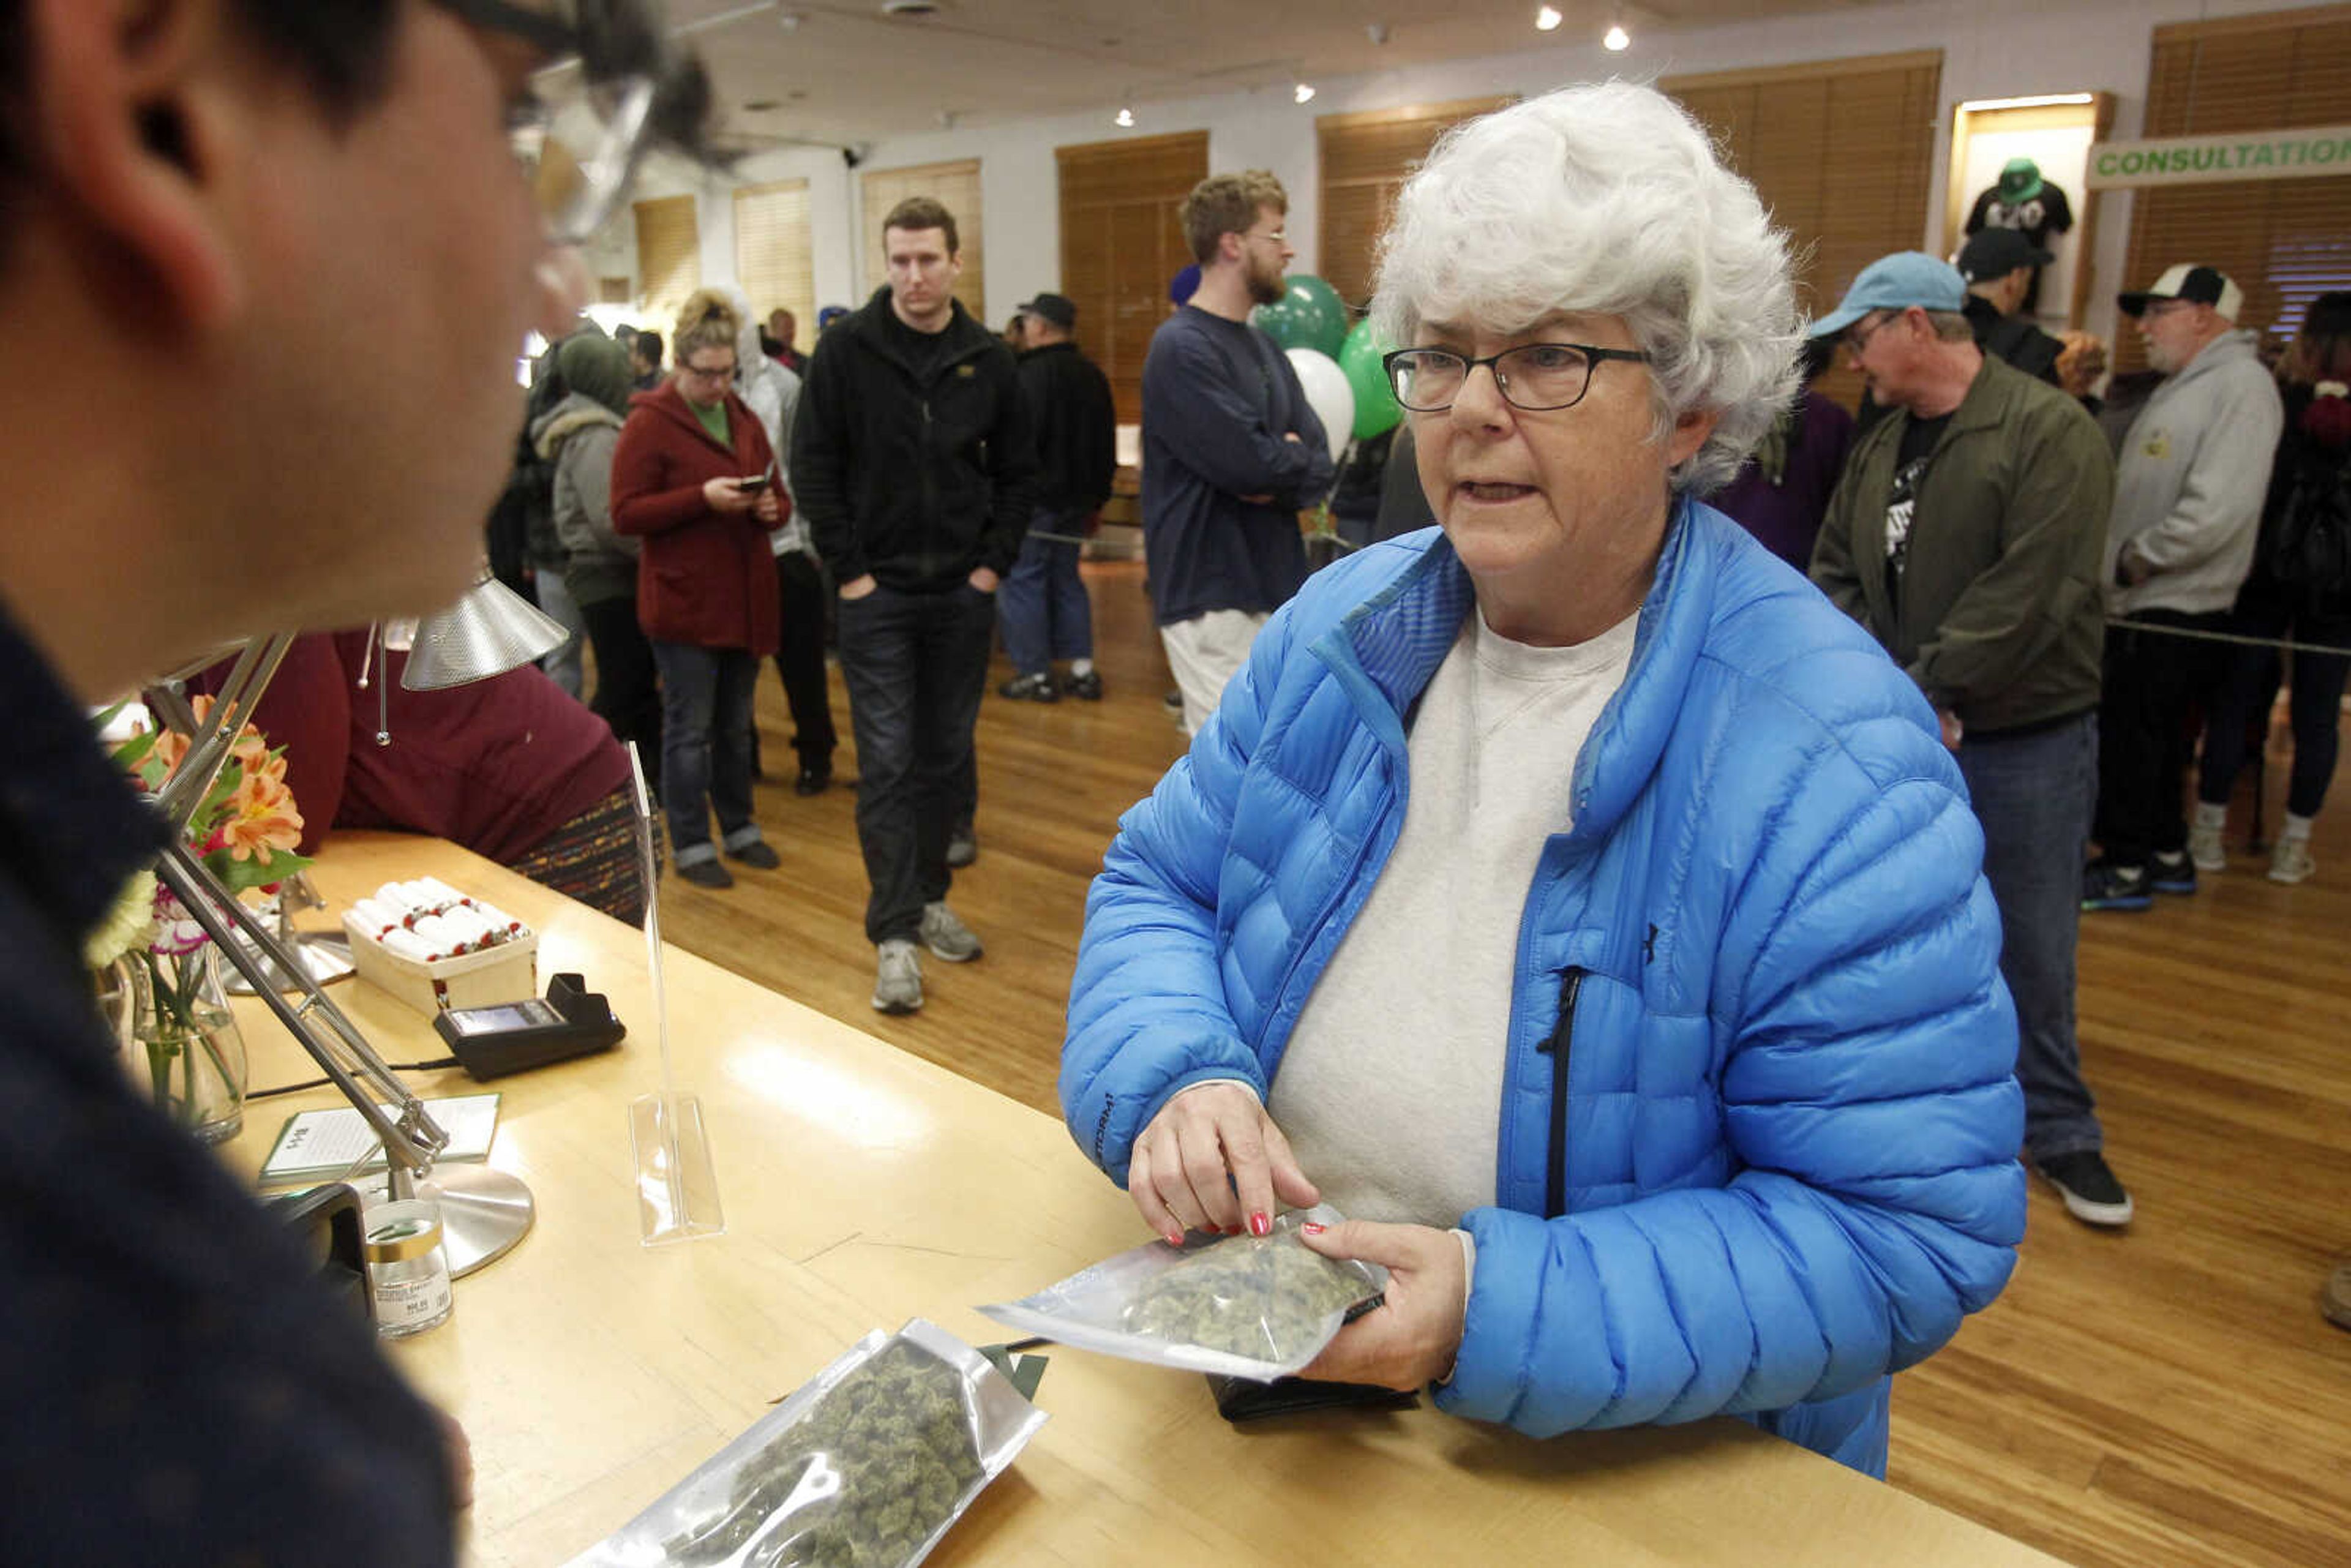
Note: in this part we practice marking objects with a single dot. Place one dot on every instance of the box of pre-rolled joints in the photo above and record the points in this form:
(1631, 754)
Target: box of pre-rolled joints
(434, 947)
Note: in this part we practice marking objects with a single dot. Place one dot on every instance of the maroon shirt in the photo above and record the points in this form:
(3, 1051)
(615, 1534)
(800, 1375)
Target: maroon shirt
(495, 767)
(705, 578)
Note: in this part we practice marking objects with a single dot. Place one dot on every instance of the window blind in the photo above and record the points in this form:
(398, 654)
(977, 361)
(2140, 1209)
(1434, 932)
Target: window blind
(772, 255)
(2285, 242)
(1122, 244)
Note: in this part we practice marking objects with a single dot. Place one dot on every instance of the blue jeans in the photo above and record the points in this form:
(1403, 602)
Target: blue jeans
(706, 747)
(915, 665)
(554, 596)
(2033, 795)
(1045, 615)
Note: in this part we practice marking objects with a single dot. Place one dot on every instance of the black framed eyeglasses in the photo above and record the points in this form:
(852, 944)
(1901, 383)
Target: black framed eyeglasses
(1535, 377)
(1858, 336)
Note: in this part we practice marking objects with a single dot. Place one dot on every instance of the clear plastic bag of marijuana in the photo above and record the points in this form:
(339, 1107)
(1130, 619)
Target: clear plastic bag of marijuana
(1244, 1306)
(866, 1465)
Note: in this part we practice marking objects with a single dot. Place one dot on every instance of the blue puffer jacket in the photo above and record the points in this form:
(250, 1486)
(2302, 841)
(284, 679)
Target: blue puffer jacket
(1789, 1122)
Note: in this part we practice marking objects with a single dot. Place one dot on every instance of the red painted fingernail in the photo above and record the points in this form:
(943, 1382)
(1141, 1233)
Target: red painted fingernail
(1310, 1229)
(1174, 1238)
(1259, 1225)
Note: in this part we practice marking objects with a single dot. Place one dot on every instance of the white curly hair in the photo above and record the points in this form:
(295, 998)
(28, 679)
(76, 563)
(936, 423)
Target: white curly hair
(1606, 198)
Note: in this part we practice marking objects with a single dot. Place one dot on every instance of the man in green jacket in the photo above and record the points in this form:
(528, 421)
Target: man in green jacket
(1966, 534)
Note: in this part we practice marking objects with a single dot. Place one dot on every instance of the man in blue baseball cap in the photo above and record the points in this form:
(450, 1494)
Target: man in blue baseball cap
(1966, 534)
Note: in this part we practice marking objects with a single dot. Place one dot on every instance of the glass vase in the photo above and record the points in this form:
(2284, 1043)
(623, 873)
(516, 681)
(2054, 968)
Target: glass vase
(187, 1048)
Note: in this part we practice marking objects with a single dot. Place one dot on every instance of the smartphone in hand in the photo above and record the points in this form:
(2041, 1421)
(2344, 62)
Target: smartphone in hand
(751, 485)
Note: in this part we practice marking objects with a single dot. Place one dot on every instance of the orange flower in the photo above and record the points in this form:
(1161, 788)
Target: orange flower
(262, 818)
(250, 752)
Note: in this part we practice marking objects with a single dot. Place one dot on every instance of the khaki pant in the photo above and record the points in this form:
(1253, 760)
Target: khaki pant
(1204, 653)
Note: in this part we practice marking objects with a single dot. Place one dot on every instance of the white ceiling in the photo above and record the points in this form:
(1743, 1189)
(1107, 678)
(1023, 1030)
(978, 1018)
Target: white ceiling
(843, 72)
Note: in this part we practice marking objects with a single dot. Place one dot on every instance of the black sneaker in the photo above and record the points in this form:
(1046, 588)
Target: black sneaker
(1173, 702)
(1036, 688)
(812, 781)
(1087, 686)
(2173, 873)
(706, 873)
(963, 847)
(2092, 1194)
(2106, 886)
(759, 854)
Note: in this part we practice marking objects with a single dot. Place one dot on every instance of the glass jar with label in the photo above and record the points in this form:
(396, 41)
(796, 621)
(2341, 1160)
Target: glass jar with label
(408, 1267)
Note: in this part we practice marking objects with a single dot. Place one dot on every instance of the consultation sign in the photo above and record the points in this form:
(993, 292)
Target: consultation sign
(2303, 153)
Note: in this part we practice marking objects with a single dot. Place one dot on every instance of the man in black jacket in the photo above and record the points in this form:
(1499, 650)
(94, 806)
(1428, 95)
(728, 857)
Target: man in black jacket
(914, 462)
(213, 210)
(1046, 615)
(2000, 265)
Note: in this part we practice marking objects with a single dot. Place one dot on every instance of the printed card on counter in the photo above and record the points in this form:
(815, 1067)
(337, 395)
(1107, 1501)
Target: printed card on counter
(320, 1145)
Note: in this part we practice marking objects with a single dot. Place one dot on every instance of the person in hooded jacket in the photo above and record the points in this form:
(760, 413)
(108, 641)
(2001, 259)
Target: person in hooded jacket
(706, 583)
(772, 388)
(1569, 894)
(578, 437)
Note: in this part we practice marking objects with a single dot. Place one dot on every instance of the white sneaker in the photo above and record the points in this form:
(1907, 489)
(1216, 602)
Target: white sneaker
(947, 936)
(2204, 847)
(2291, 861)
(898, 977)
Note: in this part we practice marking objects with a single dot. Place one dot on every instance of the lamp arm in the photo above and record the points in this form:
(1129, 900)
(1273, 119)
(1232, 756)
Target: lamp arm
(212, 739)
(411, 1141)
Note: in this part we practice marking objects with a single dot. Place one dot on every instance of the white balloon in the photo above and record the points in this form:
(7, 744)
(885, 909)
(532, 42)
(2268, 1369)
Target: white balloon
(1328, 394)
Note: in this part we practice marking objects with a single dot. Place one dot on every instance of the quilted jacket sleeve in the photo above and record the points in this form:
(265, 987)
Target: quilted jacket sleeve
(1148, 1014)
(1868, 1090)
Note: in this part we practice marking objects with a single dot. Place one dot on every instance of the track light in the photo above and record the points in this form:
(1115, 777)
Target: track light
(1304, 92)
(1124, 119)
(1547, 18)
(1616, 40)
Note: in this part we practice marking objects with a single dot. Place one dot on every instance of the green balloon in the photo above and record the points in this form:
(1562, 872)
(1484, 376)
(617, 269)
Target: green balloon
(1376, 408)
(1329, 312)
(1307, 315)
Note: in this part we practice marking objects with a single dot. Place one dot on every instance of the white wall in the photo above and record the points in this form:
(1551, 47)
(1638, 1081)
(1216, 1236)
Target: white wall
(1992, 49)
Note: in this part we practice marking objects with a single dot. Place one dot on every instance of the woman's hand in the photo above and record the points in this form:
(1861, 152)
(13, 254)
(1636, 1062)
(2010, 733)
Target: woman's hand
(859, 587)
(1213, 1160)
(766, 509)
(727, 496)
(1412, 1338)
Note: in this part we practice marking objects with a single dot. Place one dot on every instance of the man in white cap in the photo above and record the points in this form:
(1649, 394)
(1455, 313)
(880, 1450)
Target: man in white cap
(1964, 537)
(2188, 504)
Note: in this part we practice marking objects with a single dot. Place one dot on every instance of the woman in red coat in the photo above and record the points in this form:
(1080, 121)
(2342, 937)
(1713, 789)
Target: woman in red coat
(693, 474)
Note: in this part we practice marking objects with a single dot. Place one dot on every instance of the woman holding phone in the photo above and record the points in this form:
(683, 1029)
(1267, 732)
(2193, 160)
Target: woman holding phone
(691, 476)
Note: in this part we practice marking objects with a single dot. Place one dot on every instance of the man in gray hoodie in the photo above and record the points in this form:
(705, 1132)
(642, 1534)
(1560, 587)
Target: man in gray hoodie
(2193, 470)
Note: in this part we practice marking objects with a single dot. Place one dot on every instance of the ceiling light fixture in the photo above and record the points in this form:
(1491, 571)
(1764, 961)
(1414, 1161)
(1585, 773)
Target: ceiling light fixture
(1304, 92)
(1616, 40)
(1123, 119)
(1547, 18)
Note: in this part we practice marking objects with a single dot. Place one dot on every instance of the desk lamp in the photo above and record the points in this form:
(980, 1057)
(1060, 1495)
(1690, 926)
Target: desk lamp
(484, 1212)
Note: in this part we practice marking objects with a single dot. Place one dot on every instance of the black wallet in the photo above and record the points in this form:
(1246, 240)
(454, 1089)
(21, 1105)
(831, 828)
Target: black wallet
(1240, 1399)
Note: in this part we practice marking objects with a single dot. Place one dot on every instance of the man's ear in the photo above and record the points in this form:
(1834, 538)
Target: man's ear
(132, 102)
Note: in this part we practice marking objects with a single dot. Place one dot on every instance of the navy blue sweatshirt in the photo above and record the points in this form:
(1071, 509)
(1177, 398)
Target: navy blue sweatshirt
(1218, 399)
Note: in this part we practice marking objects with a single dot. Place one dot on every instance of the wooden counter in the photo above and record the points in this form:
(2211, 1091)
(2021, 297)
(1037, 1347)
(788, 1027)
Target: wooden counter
(863, 1186)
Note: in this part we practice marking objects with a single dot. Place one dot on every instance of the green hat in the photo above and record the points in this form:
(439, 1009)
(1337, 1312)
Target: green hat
(2020, 181)
(595, 366)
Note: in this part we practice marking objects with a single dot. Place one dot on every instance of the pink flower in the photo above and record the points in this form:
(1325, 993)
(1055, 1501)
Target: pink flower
(175, 933)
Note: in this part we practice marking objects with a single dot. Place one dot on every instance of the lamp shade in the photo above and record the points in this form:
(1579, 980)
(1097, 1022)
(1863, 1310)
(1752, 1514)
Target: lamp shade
(489, 631)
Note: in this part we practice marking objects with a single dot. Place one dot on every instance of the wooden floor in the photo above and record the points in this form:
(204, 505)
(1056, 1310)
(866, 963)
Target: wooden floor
(2169, 1395)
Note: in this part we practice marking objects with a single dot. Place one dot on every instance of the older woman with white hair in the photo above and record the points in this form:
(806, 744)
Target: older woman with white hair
(1569, 894)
